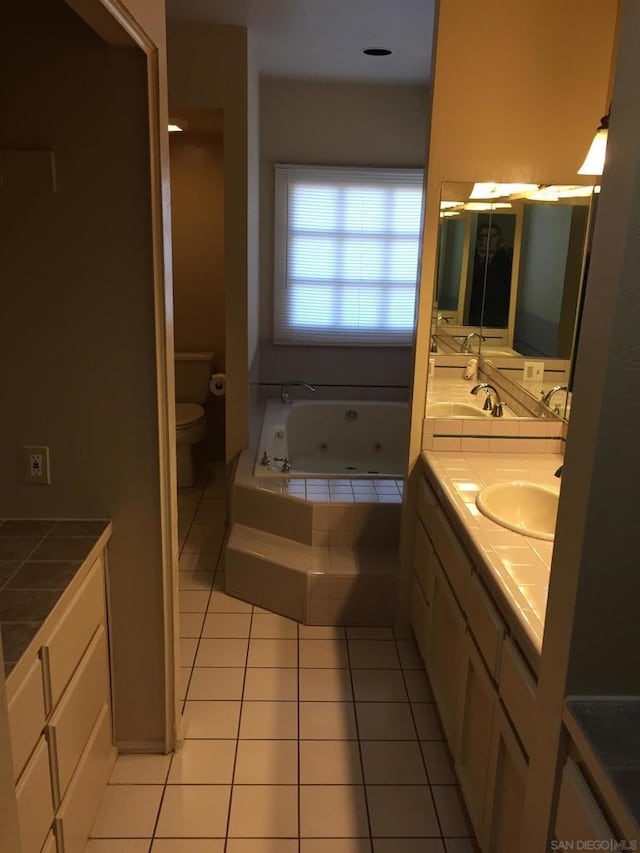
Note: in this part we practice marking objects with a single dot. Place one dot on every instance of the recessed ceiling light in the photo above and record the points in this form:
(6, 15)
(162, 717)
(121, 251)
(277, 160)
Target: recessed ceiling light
(377, 51)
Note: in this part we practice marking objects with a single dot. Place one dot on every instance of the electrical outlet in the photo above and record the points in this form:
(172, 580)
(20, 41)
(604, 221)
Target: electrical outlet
(36, 465)
(533, 370)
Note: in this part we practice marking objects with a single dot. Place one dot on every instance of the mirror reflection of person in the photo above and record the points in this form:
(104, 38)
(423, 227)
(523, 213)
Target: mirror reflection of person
(490, 292)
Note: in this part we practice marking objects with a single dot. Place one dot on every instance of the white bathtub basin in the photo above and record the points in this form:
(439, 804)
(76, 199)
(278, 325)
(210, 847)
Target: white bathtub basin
(455, 410)
(526, 508)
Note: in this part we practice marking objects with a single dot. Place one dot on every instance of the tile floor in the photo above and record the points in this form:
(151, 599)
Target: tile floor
(297, 739)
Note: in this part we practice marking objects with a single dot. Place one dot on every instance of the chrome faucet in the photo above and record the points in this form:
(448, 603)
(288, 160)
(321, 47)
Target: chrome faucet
(465, 342)
(495, 408)
(546, 399)
(284, 391)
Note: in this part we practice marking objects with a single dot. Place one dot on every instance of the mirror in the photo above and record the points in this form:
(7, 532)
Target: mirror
(509, 276)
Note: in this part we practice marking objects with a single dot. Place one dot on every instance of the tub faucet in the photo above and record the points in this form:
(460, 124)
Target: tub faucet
(547, 397)
(284, 391)
(465, 342)
(495, 408)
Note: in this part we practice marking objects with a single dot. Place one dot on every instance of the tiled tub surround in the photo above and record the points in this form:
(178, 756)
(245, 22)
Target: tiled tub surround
(512, 433)
(321, 551)
(514, 567)
(334, 438)
(39, 558)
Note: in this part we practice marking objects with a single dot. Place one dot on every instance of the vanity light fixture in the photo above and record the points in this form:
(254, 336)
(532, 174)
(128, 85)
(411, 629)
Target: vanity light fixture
(445, 205)
(486, 205)
(594, 161)
(447, 213)
(174, 128)
(492, 189)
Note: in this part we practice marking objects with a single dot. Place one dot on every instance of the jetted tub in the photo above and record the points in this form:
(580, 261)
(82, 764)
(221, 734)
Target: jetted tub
(334, 438)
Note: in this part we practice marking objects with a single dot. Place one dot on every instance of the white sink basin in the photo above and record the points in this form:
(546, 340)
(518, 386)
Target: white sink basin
(526, 508)
(455, 410)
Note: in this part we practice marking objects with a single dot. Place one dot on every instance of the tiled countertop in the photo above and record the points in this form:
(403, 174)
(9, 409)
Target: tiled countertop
(515, 566)
(606, 731)
(38, 560)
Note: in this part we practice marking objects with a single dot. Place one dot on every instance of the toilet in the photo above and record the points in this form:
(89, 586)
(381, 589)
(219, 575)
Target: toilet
(192, 376)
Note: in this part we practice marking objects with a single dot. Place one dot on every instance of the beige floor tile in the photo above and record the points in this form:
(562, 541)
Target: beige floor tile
(201, 545)
(219, 583)
(203, 762)
(120, 845)
(330, 685)
(216, 683)
(193, 600)
(266, 762)
(271, 626)
(409, 655)
(439, 765)
(184, 674)
(269, 721)
(273, 653)
(188, 845)
(188, 648)
(373, 654)
(222, 603)
(191, 579)
(327, 721)
(333, 811)
(335, 845)
(369, 633)
(197, 562)
(330, 762)
(451, 813)
(194, 811)
(408, 845)
(320, 632)
(275, 684)
(417, 685)
(385, 721)
(329, 654)
(399, 811)
(227, 625)
(264, 811)
(127, 811)
(393, 763)
(222, 652)
(140, 770)
(190, 624)
(378, 685)
(262, 845)
(211, 719)
(460, 845)
(427, 721)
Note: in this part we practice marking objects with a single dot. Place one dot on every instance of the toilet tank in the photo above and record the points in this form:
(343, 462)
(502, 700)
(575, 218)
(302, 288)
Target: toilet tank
(193, 372)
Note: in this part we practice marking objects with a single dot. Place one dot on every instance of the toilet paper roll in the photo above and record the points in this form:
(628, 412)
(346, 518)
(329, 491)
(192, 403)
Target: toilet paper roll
(218, 385)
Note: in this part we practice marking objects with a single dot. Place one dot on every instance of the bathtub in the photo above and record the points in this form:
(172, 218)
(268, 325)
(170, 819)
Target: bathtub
(330, 438)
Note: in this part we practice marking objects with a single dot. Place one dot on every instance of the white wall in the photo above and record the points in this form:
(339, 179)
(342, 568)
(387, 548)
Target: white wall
(328, 123)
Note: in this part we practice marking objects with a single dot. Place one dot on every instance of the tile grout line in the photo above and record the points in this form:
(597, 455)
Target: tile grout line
(355, 715)
(299, 760)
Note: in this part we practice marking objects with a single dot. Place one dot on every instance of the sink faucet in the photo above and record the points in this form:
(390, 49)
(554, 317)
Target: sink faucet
(547, 397)
(495, 408)
(284, 391)
(465, 342)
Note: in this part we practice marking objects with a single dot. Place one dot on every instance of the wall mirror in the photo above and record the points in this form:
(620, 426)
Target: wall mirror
(509, 277)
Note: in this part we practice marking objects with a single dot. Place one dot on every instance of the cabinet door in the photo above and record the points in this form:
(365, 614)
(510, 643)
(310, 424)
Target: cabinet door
(419, 616)
(578, 816)
(476, 707)
(423, 560)
(506, 786)
(444, 649)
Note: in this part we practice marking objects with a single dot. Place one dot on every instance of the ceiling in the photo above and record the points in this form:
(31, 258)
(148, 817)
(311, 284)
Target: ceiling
(324, 39)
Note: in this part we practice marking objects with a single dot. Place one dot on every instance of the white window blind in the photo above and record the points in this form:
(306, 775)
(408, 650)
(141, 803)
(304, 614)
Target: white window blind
(346, 255)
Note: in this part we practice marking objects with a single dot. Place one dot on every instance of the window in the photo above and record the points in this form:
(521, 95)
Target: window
(346, 255)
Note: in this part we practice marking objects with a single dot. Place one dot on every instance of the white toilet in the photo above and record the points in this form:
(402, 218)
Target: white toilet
(193, 373)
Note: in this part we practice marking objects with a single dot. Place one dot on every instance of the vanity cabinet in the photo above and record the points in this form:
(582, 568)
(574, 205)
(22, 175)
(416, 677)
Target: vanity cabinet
(483, 688)
(60, 719)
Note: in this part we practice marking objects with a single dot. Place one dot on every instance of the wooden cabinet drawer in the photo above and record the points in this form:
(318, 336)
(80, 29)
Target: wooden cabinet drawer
(35, 804)
(419, 617)
(73, 720)
(517, 689)
(423, 560)
(579, 816)
(452, 557)
(84, 794)
(50, 844)
(72, 636)
(26, 717)
(486, 625)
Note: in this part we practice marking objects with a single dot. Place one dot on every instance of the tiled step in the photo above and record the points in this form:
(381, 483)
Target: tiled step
(316, 585)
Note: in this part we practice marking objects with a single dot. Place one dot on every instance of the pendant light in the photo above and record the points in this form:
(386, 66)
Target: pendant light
(594, 161)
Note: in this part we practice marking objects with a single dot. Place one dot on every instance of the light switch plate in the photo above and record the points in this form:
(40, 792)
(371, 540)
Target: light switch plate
(533, 370)
(36, 465)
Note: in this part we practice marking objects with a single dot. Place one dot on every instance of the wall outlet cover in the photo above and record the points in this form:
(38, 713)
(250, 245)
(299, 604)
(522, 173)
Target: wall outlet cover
(36, 465)
(533, 370)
